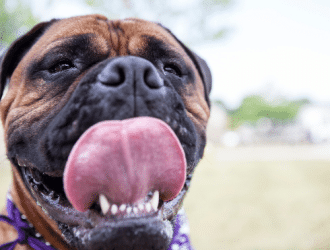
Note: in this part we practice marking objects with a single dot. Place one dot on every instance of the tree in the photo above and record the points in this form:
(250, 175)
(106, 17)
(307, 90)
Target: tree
(15, 18)
(255, 107)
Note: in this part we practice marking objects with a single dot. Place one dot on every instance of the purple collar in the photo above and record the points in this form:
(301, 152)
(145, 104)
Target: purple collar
(26, 232)
(28, 235)
(180, 239)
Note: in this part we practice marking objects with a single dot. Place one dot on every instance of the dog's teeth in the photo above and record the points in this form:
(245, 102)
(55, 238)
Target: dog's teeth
(141, 207)
(148, 207)
(122, 207)
(155, 200)
(105, 205)
(114, 209)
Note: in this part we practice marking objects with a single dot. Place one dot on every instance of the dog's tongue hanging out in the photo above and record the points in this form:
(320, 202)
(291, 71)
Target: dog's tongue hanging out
(124, 160)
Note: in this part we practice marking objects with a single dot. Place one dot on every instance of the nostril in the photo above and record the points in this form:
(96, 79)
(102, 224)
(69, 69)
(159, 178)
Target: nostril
(152, 79)
(121, 75)
(112, 75)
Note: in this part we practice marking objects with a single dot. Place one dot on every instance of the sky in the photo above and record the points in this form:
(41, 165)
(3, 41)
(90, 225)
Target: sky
(275, 47)
(279, 47)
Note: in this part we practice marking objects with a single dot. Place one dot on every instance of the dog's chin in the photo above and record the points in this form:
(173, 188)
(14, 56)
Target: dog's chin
(138, 233)
(133, 228)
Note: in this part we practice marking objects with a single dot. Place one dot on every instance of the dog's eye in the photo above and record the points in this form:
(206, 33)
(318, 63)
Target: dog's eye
(61, 66)
(172, 69)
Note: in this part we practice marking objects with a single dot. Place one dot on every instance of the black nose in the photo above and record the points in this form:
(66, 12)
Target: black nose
(131, 70)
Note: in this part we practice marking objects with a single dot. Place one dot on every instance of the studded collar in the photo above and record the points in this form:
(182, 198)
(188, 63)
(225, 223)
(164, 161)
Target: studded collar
(26, 232)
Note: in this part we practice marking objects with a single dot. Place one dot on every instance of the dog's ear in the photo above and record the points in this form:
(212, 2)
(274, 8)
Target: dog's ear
(17, 50)
(204, 71)
(201, 66)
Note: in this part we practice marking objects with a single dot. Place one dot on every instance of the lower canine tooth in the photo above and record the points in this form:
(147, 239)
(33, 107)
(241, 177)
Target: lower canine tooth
(155, 200)
(104, 203)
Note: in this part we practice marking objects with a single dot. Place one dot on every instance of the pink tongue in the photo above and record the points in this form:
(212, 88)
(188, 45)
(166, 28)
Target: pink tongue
(124, 160)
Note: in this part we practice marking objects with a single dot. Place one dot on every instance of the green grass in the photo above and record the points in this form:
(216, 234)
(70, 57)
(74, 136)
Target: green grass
(260, 205)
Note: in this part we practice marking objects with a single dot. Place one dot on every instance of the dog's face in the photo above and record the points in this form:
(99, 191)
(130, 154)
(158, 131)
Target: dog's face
(68, 76)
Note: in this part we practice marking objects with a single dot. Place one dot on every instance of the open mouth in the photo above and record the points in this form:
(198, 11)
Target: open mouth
(51, 190)
(52, 194)
(117, 171)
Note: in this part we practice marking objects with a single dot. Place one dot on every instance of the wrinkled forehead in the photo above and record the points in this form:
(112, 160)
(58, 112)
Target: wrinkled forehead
(66, 29)
(105, 35)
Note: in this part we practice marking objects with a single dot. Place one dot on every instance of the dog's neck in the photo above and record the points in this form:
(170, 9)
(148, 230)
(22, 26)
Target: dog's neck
(34, 214)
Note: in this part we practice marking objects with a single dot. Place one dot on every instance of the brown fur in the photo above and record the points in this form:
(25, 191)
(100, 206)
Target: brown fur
(26, 101)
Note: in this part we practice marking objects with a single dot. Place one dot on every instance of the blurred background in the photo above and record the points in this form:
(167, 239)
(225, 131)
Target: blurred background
(264, 182)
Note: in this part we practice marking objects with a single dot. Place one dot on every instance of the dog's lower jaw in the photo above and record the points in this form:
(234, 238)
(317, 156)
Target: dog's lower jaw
(142, 234)
(145, 233)
(139, 233)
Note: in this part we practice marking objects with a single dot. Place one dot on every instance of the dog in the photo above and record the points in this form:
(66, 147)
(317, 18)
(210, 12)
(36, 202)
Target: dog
(104, 124)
